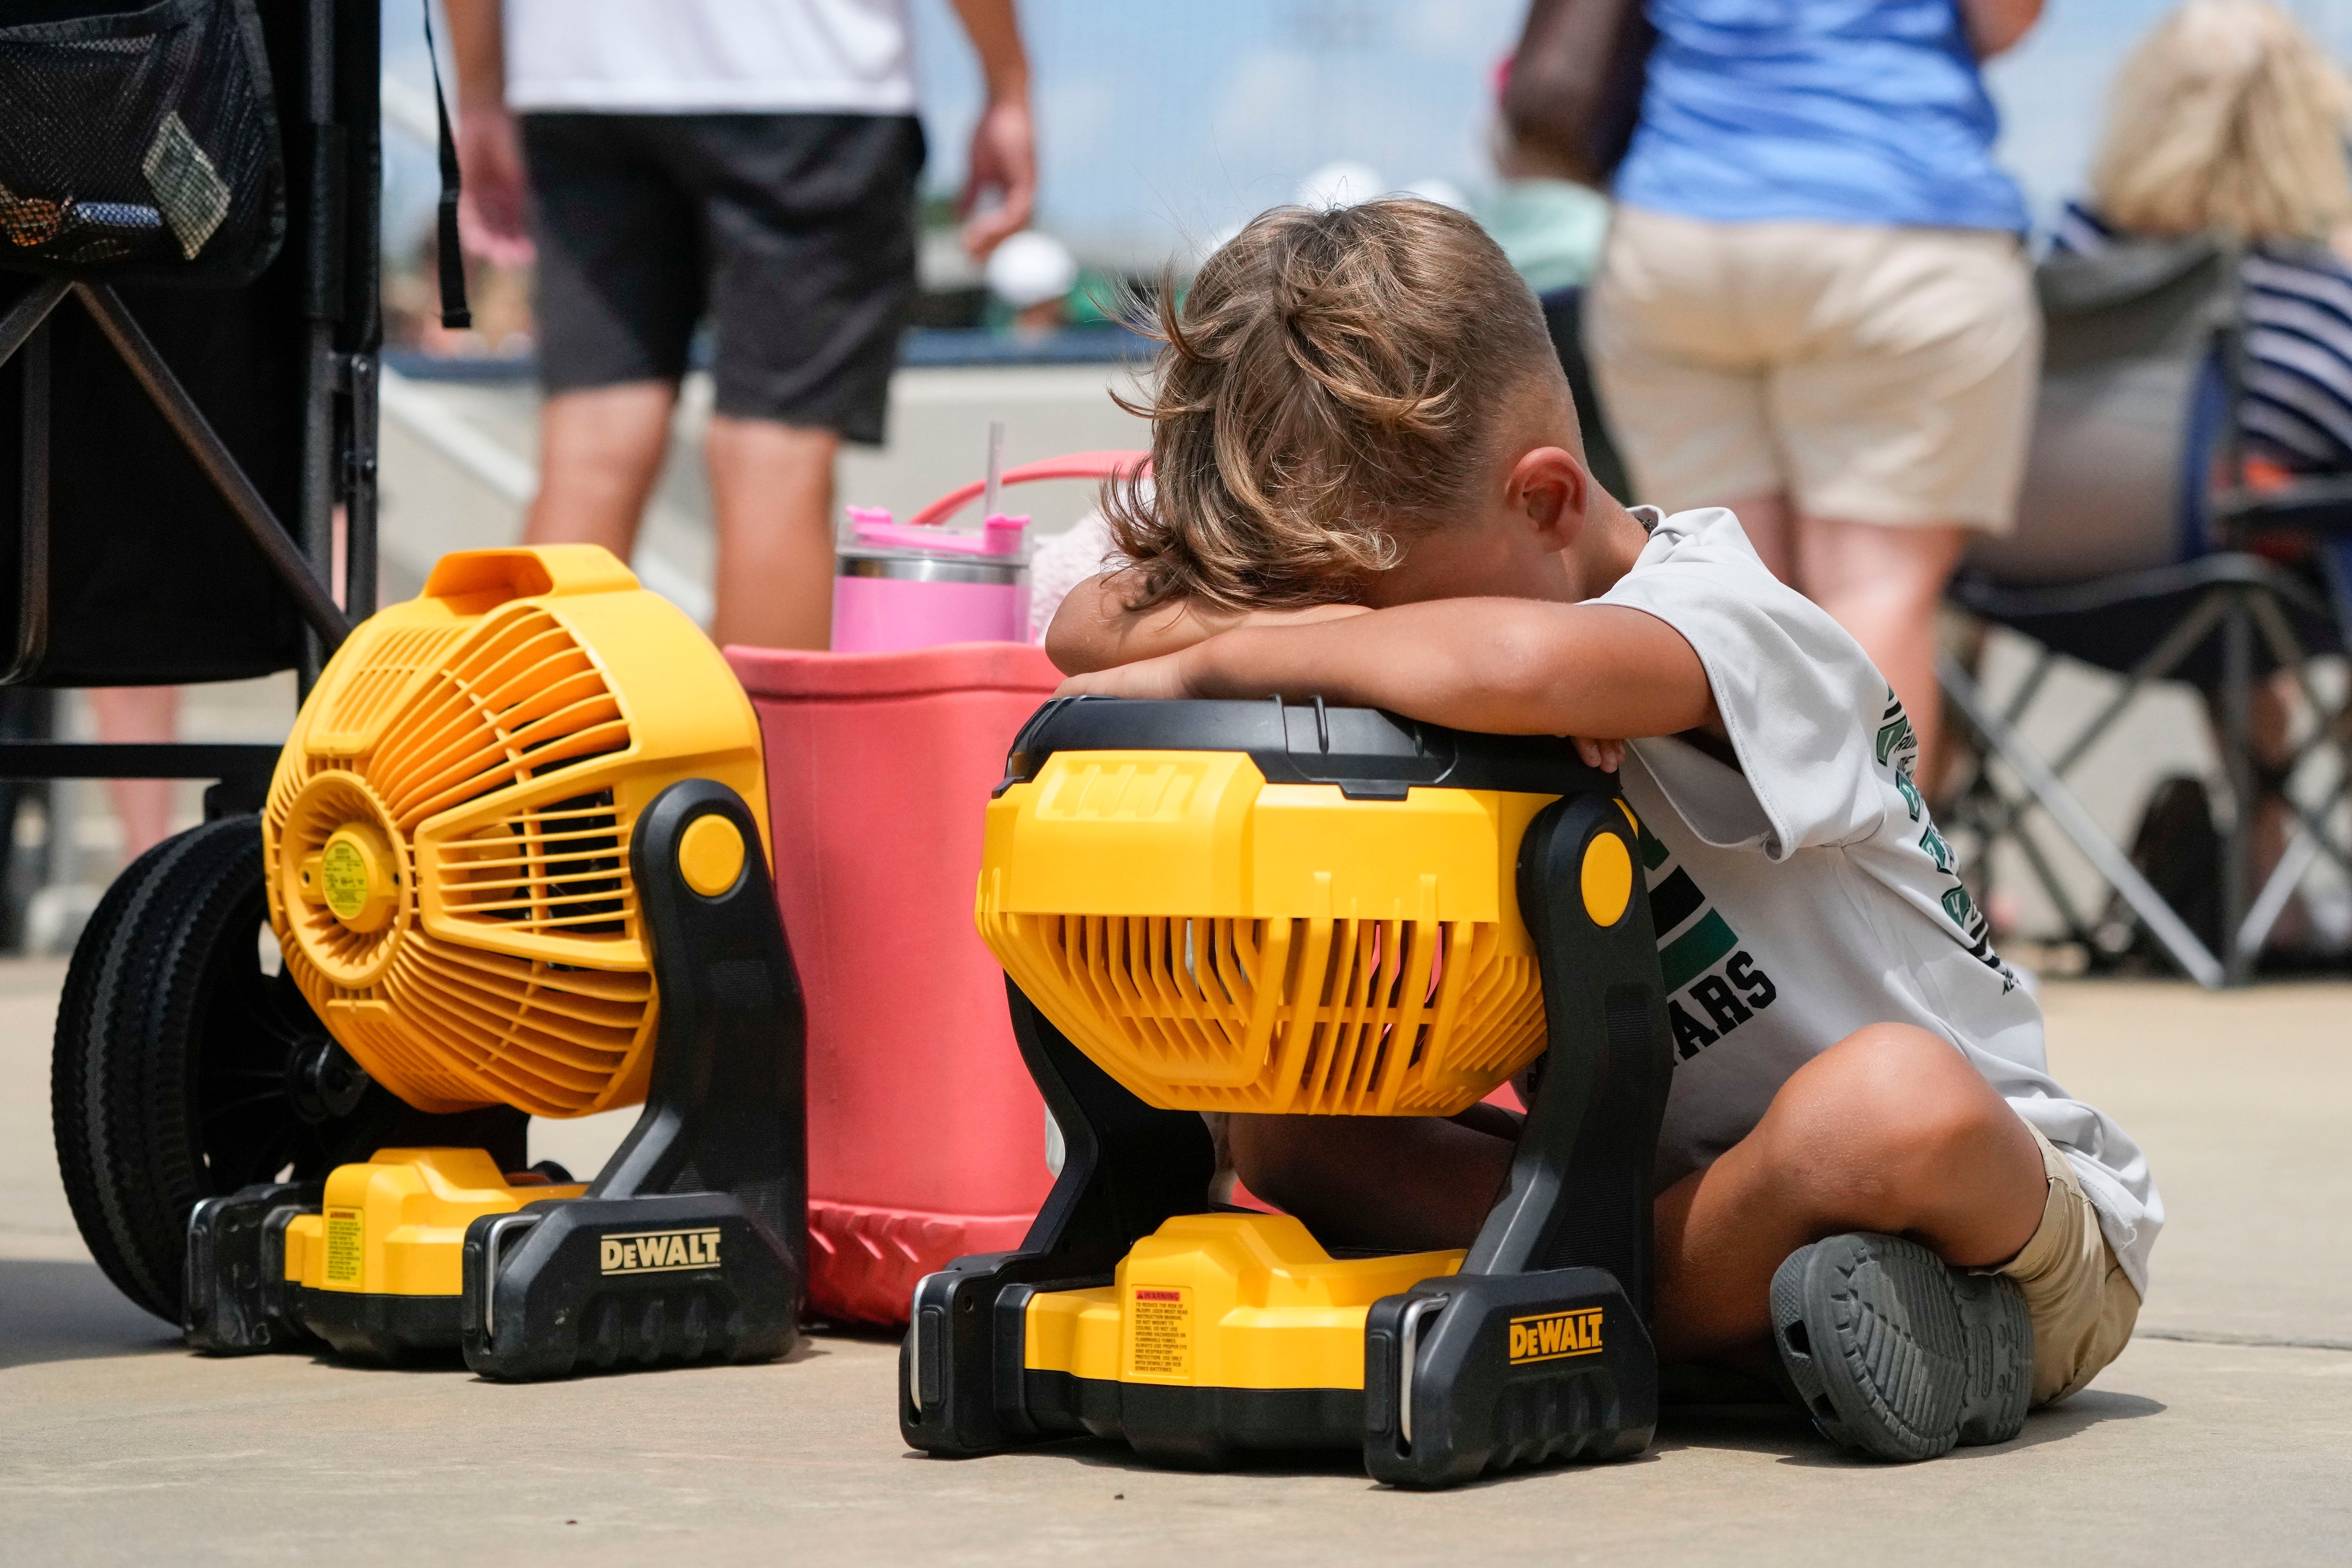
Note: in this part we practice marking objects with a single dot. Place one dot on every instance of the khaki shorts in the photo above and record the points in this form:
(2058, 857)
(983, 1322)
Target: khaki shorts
(2082, 1303)
(1872, 374)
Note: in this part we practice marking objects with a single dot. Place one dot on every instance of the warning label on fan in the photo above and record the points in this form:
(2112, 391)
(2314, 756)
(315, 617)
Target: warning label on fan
(344, 871)
(346, 1229)
(1159, 1325)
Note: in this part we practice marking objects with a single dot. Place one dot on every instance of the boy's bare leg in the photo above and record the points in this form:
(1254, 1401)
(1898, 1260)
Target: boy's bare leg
(1890, 1129)
(600, 452)
(1413, 1182)
(772, 486)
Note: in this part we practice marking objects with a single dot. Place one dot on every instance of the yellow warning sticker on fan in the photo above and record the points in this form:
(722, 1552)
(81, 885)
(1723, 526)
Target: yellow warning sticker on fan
(346, 872)
(346, 1230)
(1160, 1332)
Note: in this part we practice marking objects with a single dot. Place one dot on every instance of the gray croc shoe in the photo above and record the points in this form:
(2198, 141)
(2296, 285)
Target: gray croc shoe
(1897, 1355)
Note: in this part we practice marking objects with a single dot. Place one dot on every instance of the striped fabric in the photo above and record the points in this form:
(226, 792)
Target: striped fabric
(2298, 405)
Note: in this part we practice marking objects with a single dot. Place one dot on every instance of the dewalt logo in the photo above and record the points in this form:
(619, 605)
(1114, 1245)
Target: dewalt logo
(1549, 1336)
(659, 1251)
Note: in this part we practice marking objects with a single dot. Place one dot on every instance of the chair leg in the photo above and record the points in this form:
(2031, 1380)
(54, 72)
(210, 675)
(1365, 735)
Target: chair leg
(2077, 929)
(2302, 850)
(2328, 734)
(2074, 820)
(2237, 765)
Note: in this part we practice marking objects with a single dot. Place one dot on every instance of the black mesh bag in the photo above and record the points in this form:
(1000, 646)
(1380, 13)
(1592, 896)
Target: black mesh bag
(138, 145)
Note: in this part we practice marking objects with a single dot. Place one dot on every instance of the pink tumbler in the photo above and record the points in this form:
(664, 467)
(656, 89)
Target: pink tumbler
(917, 585)
(899, 587)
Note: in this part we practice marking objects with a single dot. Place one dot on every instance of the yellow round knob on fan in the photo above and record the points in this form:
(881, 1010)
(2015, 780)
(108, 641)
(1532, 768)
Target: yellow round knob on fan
(710, 855)
(1607, 879)
(359, 880)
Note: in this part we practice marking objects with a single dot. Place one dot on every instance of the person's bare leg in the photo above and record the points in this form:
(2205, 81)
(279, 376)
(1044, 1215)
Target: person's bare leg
(771, 485)
(2273, 737)
(1413, 1182)
(1890, 1129)
(1883, 585)
(600, 452)
(149, 714)
(1771, 527)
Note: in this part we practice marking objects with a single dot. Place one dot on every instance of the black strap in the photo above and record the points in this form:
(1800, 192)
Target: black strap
(454, 313)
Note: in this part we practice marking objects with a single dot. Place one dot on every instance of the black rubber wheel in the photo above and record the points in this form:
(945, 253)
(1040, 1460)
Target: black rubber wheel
(172, 1079)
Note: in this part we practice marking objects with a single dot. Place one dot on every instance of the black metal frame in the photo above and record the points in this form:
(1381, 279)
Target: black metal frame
(2239, 598)
(2238, 594)
(339, 444)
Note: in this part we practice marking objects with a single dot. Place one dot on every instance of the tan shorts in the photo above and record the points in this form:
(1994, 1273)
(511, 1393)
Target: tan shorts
(2082, 1303)
(1872, 374)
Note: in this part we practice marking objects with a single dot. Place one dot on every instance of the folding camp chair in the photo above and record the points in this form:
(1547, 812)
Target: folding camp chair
(2141, 384)
(190, 313)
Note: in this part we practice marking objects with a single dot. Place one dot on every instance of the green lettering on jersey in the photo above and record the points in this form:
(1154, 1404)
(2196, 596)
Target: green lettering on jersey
(1695, 951)
(1895, 737)
(1941, 852)
(1653, 854)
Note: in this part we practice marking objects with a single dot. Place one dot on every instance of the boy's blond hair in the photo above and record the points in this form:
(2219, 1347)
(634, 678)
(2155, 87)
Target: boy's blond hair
(1330, 386)
(2226, 119)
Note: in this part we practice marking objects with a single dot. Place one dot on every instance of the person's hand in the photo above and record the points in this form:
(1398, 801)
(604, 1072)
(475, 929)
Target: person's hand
(1004, 160)
(490, 206)
(1603, 755)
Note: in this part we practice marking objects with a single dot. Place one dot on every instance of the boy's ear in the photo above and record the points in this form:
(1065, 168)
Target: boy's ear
(1549, 487)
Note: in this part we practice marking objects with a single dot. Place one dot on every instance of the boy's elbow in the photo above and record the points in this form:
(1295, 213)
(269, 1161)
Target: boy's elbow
(1073, 638)
(1061, 647)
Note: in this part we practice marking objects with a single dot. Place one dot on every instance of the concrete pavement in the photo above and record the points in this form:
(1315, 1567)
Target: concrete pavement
(2223, 1435)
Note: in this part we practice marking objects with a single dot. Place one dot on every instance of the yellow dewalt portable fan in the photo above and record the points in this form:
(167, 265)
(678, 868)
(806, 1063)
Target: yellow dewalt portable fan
(1273, 908)
(515, 852)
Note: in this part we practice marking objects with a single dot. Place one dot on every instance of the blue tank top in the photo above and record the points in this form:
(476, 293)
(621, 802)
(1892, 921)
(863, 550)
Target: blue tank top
(1868, 112)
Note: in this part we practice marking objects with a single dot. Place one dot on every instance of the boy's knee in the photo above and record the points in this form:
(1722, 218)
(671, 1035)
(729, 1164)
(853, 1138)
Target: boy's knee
(1885, 1109)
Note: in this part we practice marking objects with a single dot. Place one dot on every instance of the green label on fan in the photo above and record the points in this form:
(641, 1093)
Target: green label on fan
(344, 871)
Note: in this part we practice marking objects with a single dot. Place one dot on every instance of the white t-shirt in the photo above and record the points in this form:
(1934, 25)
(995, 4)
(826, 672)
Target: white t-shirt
(1806, 893)
(709, 56)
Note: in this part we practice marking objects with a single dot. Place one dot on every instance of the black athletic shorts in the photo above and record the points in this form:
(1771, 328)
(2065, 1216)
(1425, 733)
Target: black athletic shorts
(795, 233)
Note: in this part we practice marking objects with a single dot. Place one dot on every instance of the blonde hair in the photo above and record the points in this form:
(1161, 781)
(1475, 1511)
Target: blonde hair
(2226, 119)
(1329, 386)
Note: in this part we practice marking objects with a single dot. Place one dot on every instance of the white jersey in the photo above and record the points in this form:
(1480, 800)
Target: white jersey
(668, 56)
(1806, 893)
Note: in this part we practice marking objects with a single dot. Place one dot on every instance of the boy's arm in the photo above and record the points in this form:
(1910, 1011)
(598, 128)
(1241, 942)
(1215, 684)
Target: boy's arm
(1513, 666)
(1094, 629)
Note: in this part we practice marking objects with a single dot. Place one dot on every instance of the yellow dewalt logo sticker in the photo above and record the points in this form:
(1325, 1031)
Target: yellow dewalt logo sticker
(346, 1233)
(1159, 1325)
(1552, 1335)
(659, 1251)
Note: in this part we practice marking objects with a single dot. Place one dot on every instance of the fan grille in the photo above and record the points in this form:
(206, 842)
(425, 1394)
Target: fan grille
(1299, 1015)
(495, 755)
(354, 705)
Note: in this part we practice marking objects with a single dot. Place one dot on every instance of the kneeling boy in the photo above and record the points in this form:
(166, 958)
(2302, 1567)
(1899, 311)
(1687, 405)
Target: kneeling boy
(1368, 485)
